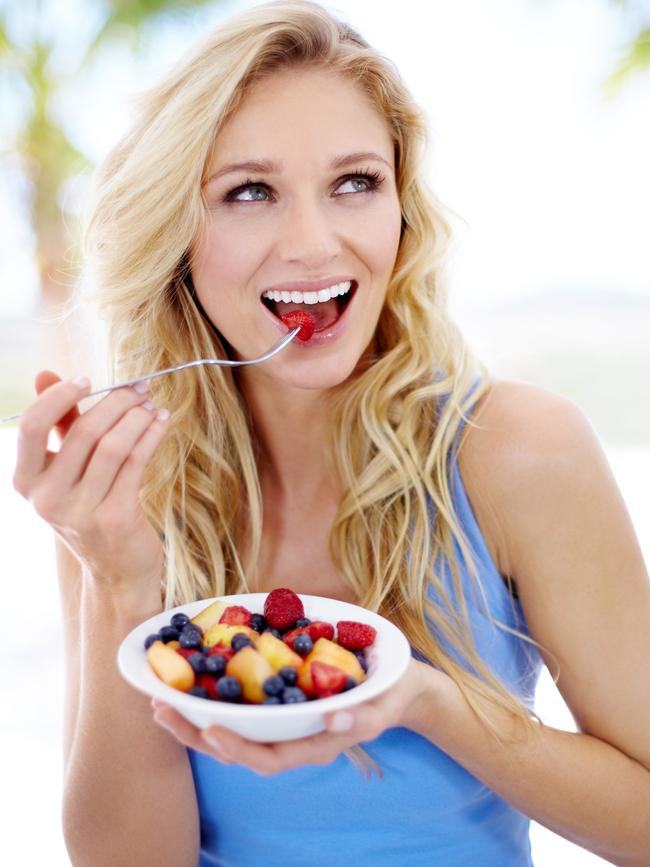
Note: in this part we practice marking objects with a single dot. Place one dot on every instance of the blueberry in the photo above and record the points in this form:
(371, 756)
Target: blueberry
(179, 620)
(273, 685)
(199, 692)
(275, 632)
(198, 662)
(192, 628)
(229, 688)
(293, 695)
(361, 656)
(272, 699)
(149, 640)
(258, 622)
(240, 640)
(289, 675)
(190, 640)
(303, 644)
(350, 683)
(169, 633)
(215, 665)
(302, 621)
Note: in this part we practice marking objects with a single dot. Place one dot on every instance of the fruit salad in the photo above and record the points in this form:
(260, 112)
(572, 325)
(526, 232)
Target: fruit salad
(228, 653)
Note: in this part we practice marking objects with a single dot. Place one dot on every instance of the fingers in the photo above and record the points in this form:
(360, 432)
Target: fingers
(131, 475)
(119, 461)
(89, 433)
(43, 381)
(52, 406)
(269, 759)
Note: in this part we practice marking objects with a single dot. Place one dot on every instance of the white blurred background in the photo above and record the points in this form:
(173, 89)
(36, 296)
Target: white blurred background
(543, 162)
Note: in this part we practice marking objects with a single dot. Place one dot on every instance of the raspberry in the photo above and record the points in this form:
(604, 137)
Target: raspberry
(355, 636)
(282, 608)
(306, 321)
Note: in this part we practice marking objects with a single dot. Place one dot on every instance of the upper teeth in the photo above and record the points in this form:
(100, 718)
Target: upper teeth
(309, 297)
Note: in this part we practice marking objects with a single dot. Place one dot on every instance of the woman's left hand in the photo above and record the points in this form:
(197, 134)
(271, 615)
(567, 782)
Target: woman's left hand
(399, 706)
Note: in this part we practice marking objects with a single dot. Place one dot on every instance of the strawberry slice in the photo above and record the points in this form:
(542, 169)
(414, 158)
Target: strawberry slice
(236, 615)
(327, 679)
(290, 637)
(209, 683)
(355, 636)
(223, 650)
(320, 629)
(302, 319)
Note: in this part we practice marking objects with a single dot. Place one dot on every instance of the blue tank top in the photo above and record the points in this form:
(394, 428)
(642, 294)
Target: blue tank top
(426, 810)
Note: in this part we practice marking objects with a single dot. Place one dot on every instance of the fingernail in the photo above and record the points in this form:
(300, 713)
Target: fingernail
(141, 387)
(162, 415)
(341, 722)
(148, 404)
(81, 382)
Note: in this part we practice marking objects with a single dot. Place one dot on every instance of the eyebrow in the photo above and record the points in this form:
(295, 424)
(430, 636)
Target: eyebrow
(268, 167)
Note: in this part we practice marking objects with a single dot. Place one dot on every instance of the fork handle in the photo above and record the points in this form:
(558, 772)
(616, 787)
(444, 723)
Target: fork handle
(219, 362)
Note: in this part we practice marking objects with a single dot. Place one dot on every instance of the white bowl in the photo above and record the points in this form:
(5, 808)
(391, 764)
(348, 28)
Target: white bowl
(387, 659)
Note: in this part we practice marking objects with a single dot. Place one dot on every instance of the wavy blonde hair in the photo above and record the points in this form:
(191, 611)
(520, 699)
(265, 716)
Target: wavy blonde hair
(395, 422)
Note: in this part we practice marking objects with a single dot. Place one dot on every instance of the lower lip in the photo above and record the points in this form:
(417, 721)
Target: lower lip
(318, 338)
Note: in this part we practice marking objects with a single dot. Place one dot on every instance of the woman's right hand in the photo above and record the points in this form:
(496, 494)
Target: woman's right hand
(89, 491)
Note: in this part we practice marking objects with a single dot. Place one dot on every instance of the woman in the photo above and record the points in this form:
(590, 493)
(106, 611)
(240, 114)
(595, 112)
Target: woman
(375, 462)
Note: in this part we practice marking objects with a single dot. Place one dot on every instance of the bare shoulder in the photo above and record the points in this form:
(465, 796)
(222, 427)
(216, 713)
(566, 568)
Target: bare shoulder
(549, 503)
(523, 448)
(518, 427)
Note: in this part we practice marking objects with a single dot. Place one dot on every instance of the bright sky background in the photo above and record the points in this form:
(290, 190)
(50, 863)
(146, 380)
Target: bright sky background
(549, 176)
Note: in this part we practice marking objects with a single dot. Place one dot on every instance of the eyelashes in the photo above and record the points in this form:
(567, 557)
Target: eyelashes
(259, 191)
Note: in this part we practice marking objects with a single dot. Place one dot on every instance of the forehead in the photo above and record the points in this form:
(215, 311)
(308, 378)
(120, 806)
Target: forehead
(303, 111)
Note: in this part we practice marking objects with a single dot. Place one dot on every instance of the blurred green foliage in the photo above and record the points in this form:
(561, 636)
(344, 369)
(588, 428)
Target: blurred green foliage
(40, 146)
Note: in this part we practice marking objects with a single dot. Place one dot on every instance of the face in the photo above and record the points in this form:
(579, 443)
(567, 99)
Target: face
(303, 214)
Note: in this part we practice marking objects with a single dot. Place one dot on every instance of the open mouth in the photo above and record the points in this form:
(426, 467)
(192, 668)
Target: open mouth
(326, 306)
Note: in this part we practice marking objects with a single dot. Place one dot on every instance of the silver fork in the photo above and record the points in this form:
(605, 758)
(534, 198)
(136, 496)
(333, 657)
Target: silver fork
(219, 362)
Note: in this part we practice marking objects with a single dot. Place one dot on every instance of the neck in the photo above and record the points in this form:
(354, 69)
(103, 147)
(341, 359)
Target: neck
(293, 430)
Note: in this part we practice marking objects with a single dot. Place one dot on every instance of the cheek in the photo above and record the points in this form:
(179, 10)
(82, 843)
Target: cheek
(380, 240)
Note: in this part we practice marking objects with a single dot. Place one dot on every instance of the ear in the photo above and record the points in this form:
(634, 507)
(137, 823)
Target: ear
(46, 379)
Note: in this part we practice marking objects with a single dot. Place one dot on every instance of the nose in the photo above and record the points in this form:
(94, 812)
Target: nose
(308, 236)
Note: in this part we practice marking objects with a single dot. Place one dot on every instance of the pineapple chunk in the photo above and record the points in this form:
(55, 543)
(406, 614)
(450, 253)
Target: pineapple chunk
(222, 633)
(207, 617)
(276, 652)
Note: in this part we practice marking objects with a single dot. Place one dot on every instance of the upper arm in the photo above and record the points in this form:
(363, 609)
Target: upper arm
(569, 543)
(70, 578)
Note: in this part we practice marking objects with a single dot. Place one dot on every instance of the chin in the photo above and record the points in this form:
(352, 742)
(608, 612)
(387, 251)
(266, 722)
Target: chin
(319, 374)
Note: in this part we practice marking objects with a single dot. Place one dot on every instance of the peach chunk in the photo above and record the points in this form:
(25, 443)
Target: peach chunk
(331, 653)
(170, 666)
(251, 670)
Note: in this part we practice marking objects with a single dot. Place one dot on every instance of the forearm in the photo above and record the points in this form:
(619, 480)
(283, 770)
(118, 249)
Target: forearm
(129, 796)
(577, 785)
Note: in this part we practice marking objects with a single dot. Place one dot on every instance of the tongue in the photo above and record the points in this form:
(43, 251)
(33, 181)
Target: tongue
(324, 313)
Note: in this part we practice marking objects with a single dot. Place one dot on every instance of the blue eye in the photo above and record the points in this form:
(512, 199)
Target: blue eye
(362, 182)
(359, 185)
(249, 192)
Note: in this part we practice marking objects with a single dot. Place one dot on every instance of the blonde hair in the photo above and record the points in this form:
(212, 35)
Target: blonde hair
(395, 422)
